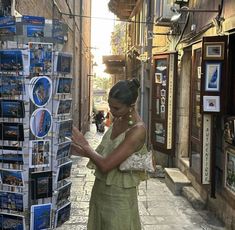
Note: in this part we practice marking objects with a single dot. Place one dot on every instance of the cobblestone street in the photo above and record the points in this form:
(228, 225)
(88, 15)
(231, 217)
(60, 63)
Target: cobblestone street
(159, 208)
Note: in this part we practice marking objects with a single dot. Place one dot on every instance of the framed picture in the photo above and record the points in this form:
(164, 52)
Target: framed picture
(213, 77)
(12, 221)
(11, 201)
(158, 78)
(62, 215)
(229, 130)
(41, 184)
(41, 216)
(211, 103)
(230, 170)
(214, 50)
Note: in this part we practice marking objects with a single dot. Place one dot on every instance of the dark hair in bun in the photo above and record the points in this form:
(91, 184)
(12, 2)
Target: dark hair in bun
(125, 91)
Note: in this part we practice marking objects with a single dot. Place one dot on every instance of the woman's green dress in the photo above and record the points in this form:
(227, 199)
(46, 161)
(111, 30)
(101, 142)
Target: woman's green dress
(113, 203)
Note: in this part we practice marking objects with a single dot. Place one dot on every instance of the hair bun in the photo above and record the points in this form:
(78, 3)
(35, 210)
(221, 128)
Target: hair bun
(135, 82)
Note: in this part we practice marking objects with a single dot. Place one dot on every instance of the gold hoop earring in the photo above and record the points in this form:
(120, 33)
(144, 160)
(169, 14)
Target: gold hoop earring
(130, 122)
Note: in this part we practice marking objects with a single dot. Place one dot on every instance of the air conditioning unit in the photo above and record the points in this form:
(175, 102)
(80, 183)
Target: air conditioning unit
(163, 12)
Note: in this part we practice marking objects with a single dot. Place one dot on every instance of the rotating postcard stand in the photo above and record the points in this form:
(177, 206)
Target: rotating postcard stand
(35, 127)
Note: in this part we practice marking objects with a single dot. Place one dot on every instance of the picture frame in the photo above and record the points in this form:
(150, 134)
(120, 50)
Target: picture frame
(40, 153)
(213, 50)
(229, 130)
(229, 181)
(41, 184)
(12, 221)
(212, 76)
(211, 103)
(62, 214)
(40, 217)
(158, 78)
(11, 201)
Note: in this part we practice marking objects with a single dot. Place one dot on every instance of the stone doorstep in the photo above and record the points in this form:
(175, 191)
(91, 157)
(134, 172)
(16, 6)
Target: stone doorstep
(193, 197)
(176, 180)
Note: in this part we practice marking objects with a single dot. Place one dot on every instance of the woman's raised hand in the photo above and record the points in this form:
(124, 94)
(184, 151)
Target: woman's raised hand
(78, 138)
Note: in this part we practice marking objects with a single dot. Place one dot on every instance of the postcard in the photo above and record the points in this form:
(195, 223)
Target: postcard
(12, 109)
(12, 222)
(63, 62)
(64, 171)
(12, 177)
(41, 184)
(62, 214)
(11, 131)
(40, 57)
(39, 153)
(11, 201)
(10, 157)
(64, 85)
(63, 150)
(40, 90)
(64, 107)
(64, 128)
(41, 122)
(11, 86)
(11, 60)
(40, 216)
(64, 192)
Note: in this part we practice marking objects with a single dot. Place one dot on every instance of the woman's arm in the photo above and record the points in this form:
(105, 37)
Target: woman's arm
(133, 141)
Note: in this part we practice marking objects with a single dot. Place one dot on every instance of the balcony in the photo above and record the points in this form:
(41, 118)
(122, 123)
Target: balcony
(122, 8)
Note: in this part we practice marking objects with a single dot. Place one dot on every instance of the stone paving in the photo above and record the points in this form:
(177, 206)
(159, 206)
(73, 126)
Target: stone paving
(159, 208)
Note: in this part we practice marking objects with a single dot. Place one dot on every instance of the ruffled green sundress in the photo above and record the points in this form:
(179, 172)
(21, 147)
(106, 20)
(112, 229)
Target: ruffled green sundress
(113, 203)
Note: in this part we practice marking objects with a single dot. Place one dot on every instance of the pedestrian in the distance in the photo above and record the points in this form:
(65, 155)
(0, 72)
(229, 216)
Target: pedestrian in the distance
(113, 203)
(108, 119)
(99, 118)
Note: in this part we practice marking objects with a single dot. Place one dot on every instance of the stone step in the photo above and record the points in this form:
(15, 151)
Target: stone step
(175, 180)
(193, 197)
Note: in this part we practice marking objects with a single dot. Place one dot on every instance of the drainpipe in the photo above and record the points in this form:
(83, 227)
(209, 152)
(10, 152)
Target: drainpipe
(80, 68)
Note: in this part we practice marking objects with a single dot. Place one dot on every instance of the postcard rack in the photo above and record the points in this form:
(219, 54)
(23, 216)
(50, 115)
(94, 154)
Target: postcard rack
(35, 124)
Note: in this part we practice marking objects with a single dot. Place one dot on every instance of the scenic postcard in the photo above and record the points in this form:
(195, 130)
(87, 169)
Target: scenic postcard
(11, 201)
(41, 216)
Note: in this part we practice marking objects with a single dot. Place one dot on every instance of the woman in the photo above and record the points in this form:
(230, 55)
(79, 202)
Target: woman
(113, 203)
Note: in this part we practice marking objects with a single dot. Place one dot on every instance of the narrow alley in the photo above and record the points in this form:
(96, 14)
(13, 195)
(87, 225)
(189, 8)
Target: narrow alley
(159, 208)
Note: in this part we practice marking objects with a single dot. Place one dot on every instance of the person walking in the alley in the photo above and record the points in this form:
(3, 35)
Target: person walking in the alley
(113, 203)
(99, 118)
